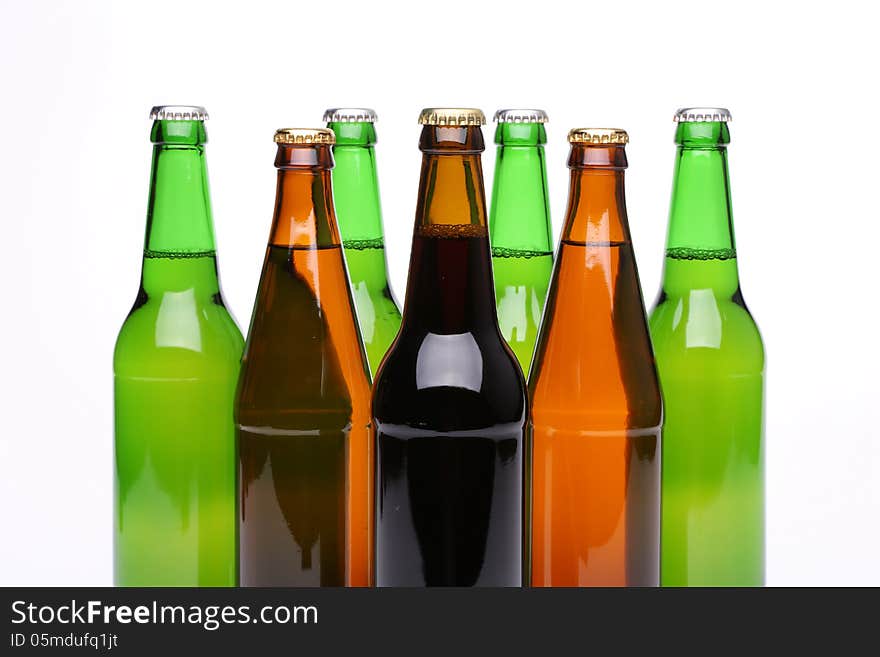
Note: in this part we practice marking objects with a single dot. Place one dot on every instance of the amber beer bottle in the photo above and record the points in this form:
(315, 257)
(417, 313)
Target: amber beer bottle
(449, 401)
(596, 407)
(303, 402)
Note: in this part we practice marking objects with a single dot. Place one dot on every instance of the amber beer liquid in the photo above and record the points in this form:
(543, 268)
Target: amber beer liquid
(449, 400)
(303, 405)
(596, 406)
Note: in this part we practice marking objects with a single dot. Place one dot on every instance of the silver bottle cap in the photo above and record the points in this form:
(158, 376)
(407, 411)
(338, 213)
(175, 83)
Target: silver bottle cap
(520, 116)
(178, 113)
(350, 115)
(702, 115)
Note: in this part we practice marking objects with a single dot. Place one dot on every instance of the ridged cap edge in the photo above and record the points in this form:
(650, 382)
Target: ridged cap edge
(520, 116)
(598, 136)
(452, 116)
(350, 115)
(702, 115)
(178, 113)
(307, 136)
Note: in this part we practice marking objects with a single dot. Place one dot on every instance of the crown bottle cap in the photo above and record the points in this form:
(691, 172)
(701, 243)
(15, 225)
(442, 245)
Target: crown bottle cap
(178, 113)
(350, 115)
(452, 116)
(520, 116)
(599, 136)
(702, 115)
(306, 136)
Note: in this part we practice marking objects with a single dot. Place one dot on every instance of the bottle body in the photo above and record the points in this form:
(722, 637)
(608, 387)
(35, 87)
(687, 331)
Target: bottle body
(519, 226)
(711, 362)
(596, 405)
(356, 195)
(175, 369)
(449, 402)
(302, 406)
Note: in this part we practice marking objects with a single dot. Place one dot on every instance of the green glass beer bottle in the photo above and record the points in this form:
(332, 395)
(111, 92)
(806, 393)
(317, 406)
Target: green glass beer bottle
(711, 363)
(519, 228)
(175, 369)
(356, 194)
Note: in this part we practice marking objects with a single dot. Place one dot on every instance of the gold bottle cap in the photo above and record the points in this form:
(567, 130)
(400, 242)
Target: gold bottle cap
(178, 113)
(702, 115)
(350, 115)
(598, 136)
(452, 116)
(305, 136)
(521, 116)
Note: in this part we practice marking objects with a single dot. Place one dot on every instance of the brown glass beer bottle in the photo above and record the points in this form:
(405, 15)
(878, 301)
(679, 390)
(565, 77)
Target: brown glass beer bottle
(596, 407)
(449, 399)
(303, 403)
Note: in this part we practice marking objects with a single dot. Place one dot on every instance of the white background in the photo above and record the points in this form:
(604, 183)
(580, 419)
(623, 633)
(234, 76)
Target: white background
(78, 79)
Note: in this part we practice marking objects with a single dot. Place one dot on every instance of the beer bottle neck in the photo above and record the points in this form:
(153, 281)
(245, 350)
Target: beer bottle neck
(356, 185)
(179, 254)
(450, 286)
(519, 220)
(700, 215)
(179, 207)
(451, 188)
(596, 213)
(304, 214)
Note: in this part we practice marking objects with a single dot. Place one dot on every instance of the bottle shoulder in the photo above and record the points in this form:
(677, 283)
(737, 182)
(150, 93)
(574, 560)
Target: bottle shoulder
(603, 388)
(375, 303)
(702, 326)
(449, 379)
(177, 331)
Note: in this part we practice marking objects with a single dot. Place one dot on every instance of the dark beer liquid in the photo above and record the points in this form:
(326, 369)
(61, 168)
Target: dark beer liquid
(294, 423)
(450, 410)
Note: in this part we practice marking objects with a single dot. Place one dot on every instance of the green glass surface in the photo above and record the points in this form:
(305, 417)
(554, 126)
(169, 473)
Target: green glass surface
(519, 230)
(711, 363)
(356, 197)
(175, 370)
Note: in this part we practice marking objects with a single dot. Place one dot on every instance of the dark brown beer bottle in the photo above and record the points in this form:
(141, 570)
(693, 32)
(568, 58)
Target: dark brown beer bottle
(596, 407)
(303, 405)
(449, 399)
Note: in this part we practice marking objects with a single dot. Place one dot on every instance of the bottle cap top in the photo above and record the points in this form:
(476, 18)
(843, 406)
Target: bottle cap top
(350, 115)
(598, 136)
(451, 116)
(178, 113)
(520, 116)
(702, 115)
(305, 136)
